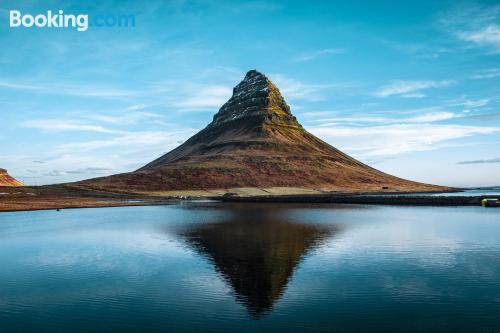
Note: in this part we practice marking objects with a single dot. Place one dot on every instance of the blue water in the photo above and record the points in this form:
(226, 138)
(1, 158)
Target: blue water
(464, 193)
(212, 267)
(472, 193)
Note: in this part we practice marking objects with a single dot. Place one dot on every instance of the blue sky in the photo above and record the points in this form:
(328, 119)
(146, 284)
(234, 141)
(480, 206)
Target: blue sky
(409, 88)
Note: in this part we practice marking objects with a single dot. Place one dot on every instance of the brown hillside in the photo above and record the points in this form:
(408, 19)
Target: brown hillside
(7, 180)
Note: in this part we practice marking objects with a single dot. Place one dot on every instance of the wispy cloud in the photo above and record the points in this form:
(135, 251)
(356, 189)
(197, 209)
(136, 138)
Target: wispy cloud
(486, 74)
(95, 171)
(428, 117)
(487, 36)
(87, 172)
(120, 152)
(83, 171)
(410, 89)
(64, 166)
(475, 24)
(69, 89)
(85, 121)
(137, 107)
(148, 139)
(14, 85)
(317, 54)
(293, 89)
(386, 140)
(65, 126)
(474, 104)
(125, 117)
(486, 160)
(210, 97)
(205, 98)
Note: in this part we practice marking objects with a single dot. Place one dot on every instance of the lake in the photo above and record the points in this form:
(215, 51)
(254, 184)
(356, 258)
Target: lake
(220, 267)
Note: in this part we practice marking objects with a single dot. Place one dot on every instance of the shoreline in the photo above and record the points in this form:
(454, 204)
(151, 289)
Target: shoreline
(104, 205)
(15, 199)
(61, 197)
(368, 199)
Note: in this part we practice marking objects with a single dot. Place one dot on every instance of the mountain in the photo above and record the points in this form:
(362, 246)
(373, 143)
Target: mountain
(254, 141)
(7, 180)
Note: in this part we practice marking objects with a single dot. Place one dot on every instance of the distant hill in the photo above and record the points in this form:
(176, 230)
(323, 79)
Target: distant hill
(7, 180)
(254, 141)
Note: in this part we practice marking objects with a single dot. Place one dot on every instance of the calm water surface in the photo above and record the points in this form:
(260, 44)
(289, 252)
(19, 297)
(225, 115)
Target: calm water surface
(211, 267)
(472, 193)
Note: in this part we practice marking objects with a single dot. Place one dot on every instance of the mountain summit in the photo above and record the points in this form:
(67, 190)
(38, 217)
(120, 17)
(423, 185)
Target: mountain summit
(255, 97)
(254, 141)
(249, 120)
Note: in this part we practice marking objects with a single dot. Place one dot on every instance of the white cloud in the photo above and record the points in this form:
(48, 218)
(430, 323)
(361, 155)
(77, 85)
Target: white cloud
(123, 152)
(473, 104)
(147, 139)
(60, 167)
(395, 139)
(205, 98)
(196, 97)
(410, 88)
(430, 117)
(427, 117)
(137, 107)
(475, 24)
(317, 54)
(65, 126)
(487, 36)
(69, 89)
(125, 117)
(486, 74)
(295, 89)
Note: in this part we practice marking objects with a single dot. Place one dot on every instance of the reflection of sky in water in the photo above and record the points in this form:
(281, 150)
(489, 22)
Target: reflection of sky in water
(174, 267)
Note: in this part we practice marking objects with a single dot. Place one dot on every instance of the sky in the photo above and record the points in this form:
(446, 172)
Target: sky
(410, 88)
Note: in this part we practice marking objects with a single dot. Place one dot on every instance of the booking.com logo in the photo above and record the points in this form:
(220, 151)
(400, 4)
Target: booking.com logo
(59, 19)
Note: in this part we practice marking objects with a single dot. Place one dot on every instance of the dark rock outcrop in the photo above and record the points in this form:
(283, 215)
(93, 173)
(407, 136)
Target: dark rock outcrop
(255, 96)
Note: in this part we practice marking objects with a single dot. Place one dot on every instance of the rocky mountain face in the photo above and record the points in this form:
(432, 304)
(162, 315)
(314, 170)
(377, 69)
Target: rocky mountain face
(243, 123)
(254, 141)
(7, 180)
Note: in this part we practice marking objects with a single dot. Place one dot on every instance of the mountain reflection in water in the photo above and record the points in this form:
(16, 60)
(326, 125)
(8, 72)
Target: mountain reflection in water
(256, 252)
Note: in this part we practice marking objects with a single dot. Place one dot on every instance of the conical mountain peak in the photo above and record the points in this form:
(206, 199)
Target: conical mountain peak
(254, 141)
(255, 97)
